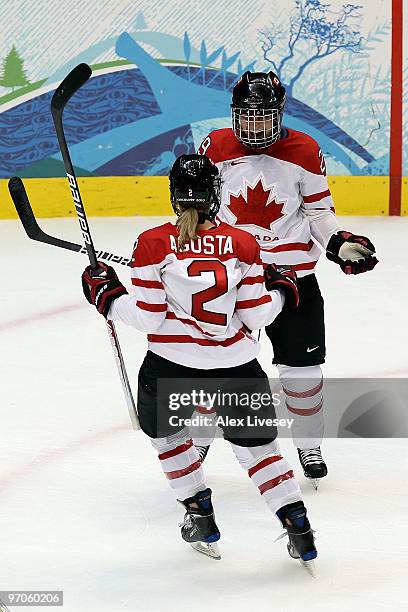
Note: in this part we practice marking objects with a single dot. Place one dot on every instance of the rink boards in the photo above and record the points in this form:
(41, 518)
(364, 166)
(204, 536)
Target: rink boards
(149, 195)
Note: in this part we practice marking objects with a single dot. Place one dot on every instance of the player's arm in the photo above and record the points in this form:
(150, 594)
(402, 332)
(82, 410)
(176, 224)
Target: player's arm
(256, 306)
(353, 253)
(317, 203)
(146, 307)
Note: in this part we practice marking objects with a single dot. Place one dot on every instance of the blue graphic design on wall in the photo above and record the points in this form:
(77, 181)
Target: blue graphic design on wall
(136, 115)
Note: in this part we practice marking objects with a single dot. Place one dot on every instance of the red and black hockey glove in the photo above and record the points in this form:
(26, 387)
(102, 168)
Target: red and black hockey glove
(102, 287)
(283, 278)
(354, 254)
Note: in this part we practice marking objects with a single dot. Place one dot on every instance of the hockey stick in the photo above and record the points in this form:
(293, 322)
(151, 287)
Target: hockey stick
(34, 231)
(64, 92)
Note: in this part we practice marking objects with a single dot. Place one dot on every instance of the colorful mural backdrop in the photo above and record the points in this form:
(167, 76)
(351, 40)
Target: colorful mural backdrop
(163, 76)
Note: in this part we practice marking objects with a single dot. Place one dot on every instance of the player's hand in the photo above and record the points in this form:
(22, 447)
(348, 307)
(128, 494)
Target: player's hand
(354, 254)
(101, 287)
(283, 278)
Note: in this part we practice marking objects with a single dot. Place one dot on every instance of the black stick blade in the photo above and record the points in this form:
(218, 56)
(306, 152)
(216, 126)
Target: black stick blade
(72, 82)
(23, 207)
(27, 218)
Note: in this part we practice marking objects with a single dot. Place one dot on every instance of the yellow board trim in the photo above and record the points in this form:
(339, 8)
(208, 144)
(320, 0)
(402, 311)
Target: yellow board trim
(149, 195)
(360, 195)
(404, 202)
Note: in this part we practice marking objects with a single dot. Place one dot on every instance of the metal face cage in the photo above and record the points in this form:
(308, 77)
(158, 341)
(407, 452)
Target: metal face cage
(258, 128)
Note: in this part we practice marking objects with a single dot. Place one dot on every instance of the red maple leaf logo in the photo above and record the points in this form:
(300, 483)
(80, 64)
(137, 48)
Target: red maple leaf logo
(255, 209)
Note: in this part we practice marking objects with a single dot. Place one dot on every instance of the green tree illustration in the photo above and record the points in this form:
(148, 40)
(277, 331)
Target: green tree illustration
(12, 72)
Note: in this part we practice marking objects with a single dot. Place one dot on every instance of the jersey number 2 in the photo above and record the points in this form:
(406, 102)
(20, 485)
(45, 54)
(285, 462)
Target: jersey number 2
(220, 287)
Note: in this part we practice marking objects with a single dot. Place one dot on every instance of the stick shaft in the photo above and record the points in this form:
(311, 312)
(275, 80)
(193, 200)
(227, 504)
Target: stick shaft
(123, 374)
(73, 81)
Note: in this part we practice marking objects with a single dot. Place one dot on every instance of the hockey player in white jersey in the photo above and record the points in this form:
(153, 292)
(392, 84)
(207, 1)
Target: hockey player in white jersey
(274, 186)
(198, 288)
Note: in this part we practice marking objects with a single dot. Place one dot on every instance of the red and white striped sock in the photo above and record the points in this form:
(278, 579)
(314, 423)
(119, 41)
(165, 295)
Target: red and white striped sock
(181, 465)
(303, 388)
(270, 472)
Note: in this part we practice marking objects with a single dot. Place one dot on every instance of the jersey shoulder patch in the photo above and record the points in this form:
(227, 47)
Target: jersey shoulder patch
(153, 245)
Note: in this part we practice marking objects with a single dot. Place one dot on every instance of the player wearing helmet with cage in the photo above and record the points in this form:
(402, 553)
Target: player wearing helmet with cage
(274, 186)
(199, 286)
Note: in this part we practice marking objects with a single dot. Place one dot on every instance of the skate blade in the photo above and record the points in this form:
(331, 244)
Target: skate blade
(210, 550)
(315, 482)
(309, 566)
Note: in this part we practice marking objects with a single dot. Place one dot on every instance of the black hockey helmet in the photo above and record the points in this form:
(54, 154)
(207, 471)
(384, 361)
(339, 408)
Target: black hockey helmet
(195, 183)
(258, 100)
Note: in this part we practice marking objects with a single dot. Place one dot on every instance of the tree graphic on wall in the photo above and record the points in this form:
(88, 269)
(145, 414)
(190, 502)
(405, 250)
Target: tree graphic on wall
(315, 32)
(12, 72)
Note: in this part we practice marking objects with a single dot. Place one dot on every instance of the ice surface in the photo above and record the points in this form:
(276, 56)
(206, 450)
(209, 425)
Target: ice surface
(83, 504)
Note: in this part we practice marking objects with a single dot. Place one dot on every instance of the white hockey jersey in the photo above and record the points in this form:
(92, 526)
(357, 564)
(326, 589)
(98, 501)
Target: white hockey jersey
(198, 305)
(273, 193)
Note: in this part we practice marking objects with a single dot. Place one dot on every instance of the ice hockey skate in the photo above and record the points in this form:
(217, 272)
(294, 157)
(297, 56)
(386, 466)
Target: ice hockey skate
(199, 528)
(301, 539)
(312, 462)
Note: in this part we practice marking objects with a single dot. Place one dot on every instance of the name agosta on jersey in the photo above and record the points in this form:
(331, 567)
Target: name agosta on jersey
(207, 245)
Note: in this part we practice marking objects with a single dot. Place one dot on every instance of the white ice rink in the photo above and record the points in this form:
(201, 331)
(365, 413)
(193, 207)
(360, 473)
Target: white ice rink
(83, 503)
